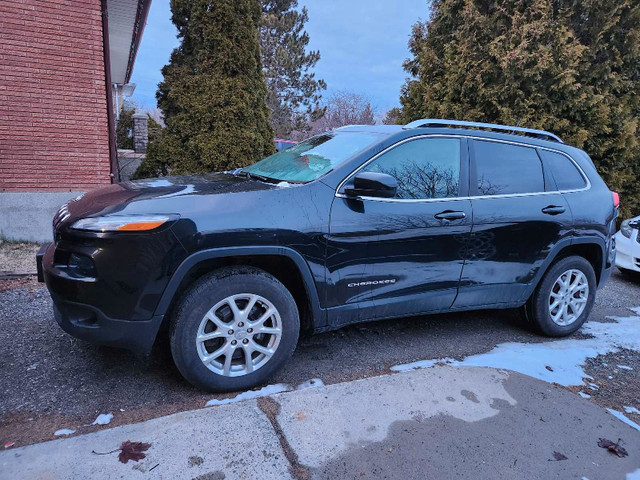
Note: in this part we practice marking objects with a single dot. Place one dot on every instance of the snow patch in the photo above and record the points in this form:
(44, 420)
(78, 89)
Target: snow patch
(559, 361)
(266, 391)
(423, 364)
(620, 416)
(631, 410)
(64, 431)
(624, 367)
(634, 475)
(103, 419)
(250, 394)
(313, 383)
(635, 310)
(584, 395)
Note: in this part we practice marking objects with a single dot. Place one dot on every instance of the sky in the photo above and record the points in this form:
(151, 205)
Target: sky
(362, 45)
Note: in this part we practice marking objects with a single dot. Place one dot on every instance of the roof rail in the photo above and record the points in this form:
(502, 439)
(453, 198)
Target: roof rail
(435, 122)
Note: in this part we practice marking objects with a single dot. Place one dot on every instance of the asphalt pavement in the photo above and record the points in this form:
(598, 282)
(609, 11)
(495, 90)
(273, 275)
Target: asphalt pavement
(51, 381)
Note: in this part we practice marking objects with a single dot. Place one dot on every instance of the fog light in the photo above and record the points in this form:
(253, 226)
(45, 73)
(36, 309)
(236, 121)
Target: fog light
(81, 265)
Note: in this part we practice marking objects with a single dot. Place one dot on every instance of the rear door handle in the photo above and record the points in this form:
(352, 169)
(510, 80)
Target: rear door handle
(450, 215)
(553, 210)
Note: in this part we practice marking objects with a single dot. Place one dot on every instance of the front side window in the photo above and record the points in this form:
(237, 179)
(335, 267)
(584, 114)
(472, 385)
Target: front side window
(502, 168)
(424, 168)
(563, 170)
(312, 158)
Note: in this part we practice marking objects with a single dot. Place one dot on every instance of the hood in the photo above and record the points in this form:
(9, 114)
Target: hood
(149, 196)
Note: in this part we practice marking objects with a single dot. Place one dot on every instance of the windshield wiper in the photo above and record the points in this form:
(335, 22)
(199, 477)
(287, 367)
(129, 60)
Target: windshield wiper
(262, 178)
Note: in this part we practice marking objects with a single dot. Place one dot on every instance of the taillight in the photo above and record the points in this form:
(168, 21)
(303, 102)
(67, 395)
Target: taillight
(616, 199)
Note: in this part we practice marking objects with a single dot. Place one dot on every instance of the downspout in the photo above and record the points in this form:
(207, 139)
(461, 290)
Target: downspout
(113, 154)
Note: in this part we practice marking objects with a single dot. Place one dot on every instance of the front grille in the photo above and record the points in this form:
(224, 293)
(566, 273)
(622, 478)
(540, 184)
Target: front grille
(61, 215)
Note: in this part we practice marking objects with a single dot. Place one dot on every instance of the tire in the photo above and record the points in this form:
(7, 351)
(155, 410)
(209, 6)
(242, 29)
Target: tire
(241, 285)
(538, 309)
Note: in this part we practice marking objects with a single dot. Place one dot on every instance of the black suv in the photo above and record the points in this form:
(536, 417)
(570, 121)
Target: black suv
(361, 223)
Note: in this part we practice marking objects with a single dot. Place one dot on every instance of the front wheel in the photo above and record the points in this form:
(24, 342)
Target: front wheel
(563, 300)
(233, 329)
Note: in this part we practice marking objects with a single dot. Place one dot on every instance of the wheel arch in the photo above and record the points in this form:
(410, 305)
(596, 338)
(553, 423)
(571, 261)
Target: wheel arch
(285, 264)
(592, 249)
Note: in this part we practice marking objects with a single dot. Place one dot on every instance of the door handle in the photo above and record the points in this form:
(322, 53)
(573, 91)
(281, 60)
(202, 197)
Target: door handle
(450, 215)
(553, 210)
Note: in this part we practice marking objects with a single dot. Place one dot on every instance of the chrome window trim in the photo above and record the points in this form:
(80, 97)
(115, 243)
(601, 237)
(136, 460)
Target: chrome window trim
(474, 197)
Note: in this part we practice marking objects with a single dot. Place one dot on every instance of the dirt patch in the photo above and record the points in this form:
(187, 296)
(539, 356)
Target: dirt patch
(29, 282)
(26, 428)
(615, 382)
(18, 257)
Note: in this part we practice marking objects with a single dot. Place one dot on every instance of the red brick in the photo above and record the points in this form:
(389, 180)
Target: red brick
(53, 105)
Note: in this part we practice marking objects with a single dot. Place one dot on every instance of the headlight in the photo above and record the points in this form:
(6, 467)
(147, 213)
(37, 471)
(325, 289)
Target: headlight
(129, 223)
(625, 228)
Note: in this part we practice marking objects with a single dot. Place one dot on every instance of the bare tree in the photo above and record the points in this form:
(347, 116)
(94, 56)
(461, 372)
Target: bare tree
(423, 180)
(345, 108)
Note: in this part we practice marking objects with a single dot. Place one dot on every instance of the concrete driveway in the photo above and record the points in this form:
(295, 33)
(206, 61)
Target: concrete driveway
(438, 423)
(51, 381)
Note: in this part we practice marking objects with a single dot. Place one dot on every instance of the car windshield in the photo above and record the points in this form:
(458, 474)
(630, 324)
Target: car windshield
(312, 158)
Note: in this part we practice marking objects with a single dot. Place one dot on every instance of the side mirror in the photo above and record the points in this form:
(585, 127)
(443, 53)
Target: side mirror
(372, 184)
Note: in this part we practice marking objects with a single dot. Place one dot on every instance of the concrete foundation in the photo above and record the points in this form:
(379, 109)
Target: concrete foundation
(26, 216)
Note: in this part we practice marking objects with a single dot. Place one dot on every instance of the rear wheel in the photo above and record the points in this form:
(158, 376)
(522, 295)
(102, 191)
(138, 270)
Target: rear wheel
(563, 300)
(233, 329)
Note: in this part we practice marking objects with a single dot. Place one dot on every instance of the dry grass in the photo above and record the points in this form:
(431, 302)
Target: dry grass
(17, 257)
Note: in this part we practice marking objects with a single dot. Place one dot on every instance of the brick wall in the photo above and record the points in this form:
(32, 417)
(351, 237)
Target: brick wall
(53, 113)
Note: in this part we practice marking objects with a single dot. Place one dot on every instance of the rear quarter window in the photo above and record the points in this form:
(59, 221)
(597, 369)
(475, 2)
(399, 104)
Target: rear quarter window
(563, 170)
(502, 168)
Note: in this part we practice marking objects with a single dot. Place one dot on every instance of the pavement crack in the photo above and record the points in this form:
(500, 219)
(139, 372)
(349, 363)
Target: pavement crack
(271, 408)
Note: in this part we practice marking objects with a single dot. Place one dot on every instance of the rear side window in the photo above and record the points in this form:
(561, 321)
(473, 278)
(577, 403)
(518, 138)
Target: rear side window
(564, 171)
(424, 168)
(502, 169)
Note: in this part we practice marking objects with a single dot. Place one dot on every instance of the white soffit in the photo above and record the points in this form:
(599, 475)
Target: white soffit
(122, 19)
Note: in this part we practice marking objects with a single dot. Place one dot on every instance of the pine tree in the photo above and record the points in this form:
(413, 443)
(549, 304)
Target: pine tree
(213, 93)
(569, 66)
(391, 117)
(124, 127)
(293, 91)
(611, 67)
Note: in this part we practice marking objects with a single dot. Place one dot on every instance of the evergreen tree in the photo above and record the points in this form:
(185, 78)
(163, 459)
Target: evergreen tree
(124, 127)
(213, 93)
(569, 66)
(293, 91)
(611, 67)
(391, 117)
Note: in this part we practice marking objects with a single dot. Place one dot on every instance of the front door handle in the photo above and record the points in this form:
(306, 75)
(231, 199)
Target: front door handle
(553, 210)
(450, 215)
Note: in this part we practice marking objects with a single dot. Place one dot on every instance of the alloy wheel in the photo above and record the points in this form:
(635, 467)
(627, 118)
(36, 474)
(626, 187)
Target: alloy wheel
(568, 297)
(239, 335)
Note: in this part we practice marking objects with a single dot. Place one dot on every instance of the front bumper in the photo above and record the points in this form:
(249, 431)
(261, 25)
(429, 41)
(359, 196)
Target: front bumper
(628, 251)
(88, 322)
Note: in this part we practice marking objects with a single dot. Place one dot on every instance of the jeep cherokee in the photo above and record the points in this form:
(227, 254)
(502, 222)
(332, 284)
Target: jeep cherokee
(357, 224)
